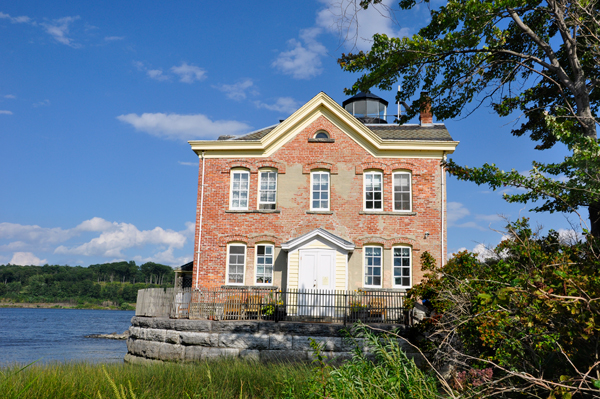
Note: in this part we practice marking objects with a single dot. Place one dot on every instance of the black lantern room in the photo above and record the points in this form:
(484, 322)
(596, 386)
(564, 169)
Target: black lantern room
(367, 107)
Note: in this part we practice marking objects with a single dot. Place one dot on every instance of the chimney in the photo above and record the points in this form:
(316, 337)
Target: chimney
(426, 117)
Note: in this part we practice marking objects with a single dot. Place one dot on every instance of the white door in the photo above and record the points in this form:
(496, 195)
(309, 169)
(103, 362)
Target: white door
(316, 276)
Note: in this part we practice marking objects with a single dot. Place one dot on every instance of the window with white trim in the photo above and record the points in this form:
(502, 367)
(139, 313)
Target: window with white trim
(236, 263)
(264, 264)
(401, 268)
(373, 191)
(240, 186)
(402, 191)
(267, 195)
(322, 135)
(319, 191)
(373, 266)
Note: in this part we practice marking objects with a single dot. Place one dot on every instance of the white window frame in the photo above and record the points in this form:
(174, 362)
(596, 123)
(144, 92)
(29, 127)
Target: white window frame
(231, 178)
(409, 191)
(365, 266)
(312, 176)
(256, 262)
(372, 173)
(322, 132)
(410, 267)
(260, 172)
(236, 244)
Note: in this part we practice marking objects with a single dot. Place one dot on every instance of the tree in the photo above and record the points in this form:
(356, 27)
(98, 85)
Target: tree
(524, 323)
(540, 58)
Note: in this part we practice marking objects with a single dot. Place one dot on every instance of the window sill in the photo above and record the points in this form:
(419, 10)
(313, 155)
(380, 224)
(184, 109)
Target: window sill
(373, 289)
(387, 213)
(253, 211)
(250, 287)
(313, 140)
(319, 212)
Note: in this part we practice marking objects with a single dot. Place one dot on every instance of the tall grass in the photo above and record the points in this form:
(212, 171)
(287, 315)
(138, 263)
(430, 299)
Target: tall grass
(225, 378)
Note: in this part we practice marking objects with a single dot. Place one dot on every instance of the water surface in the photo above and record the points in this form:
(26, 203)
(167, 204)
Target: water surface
(51, 335)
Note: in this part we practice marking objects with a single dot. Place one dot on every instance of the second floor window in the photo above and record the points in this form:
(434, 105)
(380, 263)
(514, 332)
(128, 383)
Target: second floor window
(373, 191)
(319, 191)
(402, 191)
(240, 184)
(267, 198)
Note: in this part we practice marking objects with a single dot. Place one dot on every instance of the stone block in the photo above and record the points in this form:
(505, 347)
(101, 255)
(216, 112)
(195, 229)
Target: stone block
(215, 353)
(311, 329)
(162, 323)
(132, 359)
(329, 343)
(136, 332)
(235, 327)
(171, 352)
(143, 322)
(153, 334)
(193, 353)
(280, 342)
(148, 349)
(172, 337)
(250, 354)
(192, 325)
(283, 356)
(199, 338)
(244, 341)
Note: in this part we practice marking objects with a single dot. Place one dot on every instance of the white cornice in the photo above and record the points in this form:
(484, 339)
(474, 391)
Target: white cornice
(323, 105)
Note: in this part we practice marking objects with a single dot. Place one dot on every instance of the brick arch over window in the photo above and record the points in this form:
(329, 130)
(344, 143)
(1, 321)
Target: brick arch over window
(265, 238)
(271, 164)
(387, 243)
(240, 163)
(332, 168)
(359, 170)
(232, 238)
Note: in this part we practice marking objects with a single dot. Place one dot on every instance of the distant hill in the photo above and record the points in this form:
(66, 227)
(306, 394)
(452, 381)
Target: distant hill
(117, 282)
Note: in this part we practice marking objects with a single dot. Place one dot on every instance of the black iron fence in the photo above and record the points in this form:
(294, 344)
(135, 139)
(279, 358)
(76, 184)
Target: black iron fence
(291, 305)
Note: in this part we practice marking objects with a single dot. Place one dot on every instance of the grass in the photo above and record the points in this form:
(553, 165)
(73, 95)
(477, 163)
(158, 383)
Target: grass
(225, 378)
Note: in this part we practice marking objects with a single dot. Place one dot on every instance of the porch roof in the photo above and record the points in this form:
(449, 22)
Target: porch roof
(324, 234)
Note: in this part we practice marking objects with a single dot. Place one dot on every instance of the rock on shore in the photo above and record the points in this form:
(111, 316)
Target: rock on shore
(112, 335)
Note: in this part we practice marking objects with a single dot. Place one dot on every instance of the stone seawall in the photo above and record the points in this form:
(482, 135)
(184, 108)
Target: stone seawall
(162, 339)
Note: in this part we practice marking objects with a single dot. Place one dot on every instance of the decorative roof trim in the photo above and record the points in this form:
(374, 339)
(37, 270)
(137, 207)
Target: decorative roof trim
(319, 232)
(322, 105)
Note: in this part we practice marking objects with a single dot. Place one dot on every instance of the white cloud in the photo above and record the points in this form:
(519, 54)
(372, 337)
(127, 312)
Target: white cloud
(303, 61)
(489, 218)
(188, 163)
(157, 74)
(59, 29)
(165, 257)
(5, 112)
(11, 96)
(283, 104)
(182, 127)
(122, 236)
(237, 91)
(569, 236)
(355, 26)
(41, 103)
(15, 20)
(26, 259)
(456, 211)
(189, 73)
(34, 233)
(113, 38)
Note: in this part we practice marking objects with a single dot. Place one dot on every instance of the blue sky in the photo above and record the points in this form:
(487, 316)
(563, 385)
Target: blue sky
(98, 100)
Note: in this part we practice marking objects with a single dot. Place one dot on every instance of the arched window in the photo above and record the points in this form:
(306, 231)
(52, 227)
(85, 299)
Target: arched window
(373, 258)
(240, 187)
(236, 263)
(322, 135)
(265, 255)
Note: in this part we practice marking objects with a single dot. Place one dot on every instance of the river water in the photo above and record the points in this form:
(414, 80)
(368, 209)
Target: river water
(49, 335)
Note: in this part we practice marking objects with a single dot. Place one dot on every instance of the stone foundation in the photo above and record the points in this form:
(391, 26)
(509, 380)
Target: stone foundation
(162, 339)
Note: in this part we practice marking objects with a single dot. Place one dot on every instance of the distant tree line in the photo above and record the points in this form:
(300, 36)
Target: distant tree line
(116, 282)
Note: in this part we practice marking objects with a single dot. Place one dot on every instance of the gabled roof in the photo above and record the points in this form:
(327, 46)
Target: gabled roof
(319, 232)
(379, 140)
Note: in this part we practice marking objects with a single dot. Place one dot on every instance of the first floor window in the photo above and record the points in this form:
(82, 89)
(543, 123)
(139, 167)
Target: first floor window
(402, 267)
(240, 183)
(320, 191)
(264, 264)
(267, 198)
(373, 257)
(402, 188)
(373, 191)
(236, 264)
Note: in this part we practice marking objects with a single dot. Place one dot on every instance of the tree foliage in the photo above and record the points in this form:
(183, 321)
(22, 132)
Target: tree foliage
(538, 58)
(526, 321)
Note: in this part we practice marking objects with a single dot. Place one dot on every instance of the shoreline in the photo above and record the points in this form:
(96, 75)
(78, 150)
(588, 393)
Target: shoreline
(58, 305)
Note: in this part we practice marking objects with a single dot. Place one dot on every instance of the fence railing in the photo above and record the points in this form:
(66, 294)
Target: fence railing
(257, 303)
